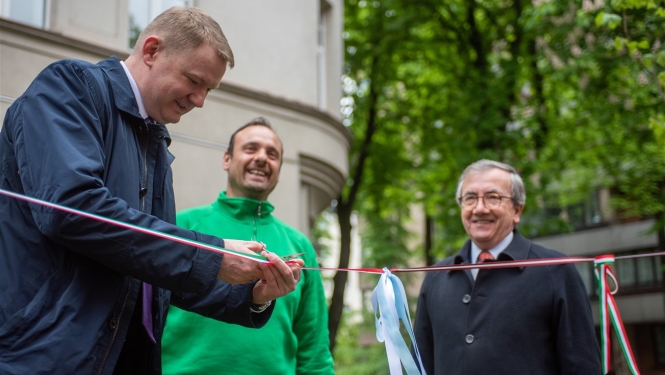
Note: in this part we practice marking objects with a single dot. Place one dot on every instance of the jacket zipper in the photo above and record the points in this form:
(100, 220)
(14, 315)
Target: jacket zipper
(117, 327)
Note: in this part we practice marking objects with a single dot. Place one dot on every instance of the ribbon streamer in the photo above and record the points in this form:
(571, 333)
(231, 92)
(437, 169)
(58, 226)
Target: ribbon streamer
(389, 299)
(136, 228)
(609, 314)
(391, 307)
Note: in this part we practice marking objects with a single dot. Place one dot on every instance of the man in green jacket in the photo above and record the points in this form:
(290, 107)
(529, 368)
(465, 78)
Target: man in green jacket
(295, 339)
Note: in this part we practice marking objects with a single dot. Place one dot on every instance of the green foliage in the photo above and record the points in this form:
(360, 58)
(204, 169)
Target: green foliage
(352, 358)
(569, 92)
(603, 105)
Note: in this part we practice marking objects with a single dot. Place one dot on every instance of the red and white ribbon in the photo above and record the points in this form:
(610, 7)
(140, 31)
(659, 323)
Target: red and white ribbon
(609, 314)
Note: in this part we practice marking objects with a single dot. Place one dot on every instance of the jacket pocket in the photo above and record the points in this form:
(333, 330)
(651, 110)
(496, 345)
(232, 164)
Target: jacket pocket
(24, 326)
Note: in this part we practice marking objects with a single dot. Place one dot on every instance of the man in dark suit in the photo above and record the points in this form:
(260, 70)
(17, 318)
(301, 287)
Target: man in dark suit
(526, 320)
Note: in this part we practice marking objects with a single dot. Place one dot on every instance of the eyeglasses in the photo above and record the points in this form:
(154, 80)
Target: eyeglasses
(491, 200)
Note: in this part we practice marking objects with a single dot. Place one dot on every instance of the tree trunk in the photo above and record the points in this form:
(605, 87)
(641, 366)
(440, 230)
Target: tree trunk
(339, 281)
(429, 239)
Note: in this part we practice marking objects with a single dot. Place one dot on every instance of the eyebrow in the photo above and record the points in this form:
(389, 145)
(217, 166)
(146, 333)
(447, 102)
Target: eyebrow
(201, 79)
(473, 192)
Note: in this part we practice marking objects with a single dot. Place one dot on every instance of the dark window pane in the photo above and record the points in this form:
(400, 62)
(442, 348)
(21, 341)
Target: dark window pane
(625, 269)
(645, 271)
(660, 343)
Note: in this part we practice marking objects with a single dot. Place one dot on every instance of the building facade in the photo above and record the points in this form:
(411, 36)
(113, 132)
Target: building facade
(640, 295)
(289, 57)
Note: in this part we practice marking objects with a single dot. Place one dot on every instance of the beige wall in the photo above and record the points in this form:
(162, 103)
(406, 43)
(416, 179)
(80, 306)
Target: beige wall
(275, 44)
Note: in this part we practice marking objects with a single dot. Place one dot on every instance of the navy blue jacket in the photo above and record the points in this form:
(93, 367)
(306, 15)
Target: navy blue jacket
(69, 285)
(528, 320)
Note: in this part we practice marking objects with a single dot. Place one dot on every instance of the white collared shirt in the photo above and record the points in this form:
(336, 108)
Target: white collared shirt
(495, 251)
(135, 89)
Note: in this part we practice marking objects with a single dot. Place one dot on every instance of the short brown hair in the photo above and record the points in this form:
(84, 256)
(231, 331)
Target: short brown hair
(183, 29)
(257, 121)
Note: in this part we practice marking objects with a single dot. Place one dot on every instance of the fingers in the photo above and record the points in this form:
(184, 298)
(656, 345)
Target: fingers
(278, 278)
(247, 247)
(283, 274)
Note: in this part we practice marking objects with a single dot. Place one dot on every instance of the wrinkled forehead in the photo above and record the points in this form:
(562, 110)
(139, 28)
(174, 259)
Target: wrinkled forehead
(493, 180)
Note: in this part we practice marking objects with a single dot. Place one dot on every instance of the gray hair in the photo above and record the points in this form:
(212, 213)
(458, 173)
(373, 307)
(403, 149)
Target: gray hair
(517, 191)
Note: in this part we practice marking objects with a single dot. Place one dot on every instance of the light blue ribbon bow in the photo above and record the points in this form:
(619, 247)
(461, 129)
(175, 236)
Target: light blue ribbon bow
(391, 306)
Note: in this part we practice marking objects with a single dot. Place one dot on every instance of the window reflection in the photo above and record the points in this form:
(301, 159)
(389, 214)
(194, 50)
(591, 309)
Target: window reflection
(30, 12)
(633, 274)
(141, 12)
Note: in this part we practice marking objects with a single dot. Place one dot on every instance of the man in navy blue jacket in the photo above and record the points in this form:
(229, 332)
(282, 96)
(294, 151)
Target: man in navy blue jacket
(528, 320)
(80, 296)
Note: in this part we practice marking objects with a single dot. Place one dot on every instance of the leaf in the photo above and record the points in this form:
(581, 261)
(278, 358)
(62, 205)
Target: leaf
(609, 20)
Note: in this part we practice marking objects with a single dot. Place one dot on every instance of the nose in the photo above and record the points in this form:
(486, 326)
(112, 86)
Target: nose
(198, 98)
(261, 155)
(480, 205)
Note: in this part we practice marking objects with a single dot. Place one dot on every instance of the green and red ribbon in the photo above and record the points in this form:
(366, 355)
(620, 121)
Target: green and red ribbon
(609, 315)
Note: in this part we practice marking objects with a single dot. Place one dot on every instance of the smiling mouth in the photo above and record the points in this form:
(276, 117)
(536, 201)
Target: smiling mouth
(257, 173)
(181, 106)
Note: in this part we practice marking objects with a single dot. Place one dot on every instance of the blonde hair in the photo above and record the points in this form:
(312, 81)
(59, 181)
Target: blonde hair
(183, 29)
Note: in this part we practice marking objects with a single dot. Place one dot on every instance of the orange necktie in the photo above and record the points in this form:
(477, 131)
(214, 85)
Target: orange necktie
(484, 255)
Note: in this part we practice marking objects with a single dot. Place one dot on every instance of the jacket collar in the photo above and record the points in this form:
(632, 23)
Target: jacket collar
(123, 96)
(122, 91)
(244, 207)
(518, 249)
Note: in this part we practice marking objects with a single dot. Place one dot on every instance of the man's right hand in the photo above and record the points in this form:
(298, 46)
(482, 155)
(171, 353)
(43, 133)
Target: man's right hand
(237, 270)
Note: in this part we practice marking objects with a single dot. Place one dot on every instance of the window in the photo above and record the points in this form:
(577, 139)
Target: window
(585, 214)
(31, 12)
(633, 274)
(639, 273)
(659, 333)
(141, 12)
(321, 68)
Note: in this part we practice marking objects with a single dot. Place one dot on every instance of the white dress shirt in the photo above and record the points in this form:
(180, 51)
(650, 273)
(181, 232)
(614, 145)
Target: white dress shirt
(495, 251)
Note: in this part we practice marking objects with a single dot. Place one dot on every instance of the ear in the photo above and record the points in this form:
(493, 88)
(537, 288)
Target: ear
(152, 46)
(227, 160)
(518, 213)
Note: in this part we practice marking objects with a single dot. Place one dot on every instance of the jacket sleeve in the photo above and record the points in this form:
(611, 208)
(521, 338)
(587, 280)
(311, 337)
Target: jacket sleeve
(57, 135)
(577, 347)
(310, 324)
(227, 303)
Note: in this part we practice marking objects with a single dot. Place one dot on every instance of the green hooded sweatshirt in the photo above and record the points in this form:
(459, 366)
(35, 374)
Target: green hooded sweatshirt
(295, 339)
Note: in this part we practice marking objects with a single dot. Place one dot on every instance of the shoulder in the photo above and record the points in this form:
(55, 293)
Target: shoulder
(431, 277)
(188, 216)
(538, 251)
(74, 67)
(290, 231)
(559, 274)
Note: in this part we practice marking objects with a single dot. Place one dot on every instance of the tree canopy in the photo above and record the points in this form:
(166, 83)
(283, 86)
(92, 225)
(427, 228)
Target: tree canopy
(570, 93)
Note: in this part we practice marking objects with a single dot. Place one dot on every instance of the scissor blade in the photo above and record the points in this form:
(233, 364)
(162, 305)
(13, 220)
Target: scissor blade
(292, 256)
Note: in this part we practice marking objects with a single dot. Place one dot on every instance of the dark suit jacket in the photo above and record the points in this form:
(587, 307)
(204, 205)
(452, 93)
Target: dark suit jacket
(513, 321)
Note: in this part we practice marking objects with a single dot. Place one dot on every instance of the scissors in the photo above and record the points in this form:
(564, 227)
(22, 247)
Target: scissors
(291, 257)
(285, 257)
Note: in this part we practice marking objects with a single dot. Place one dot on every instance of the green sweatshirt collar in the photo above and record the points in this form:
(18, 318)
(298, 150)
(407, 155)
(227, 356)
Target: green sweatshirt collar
(244, 207)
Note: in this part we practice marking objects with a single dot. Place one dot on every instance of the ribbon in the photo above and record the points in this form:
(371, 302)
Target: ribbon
(391, 307)
(609, 314)
(389, 299)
